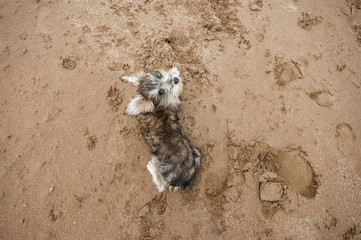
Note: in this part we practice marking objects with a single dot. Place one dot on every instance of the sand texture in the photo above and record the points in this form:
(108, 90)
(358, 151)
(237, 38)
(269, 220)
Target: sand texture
(271, 98)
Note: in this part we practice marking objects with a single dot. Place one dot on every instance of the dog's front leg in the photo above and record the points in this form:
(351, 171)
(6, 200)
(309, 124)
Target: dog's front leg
(134, 80)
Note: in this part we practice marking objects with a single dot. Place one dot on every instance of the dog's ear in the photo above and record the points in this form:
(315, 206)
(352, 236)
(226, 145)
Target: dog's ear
(138, 105)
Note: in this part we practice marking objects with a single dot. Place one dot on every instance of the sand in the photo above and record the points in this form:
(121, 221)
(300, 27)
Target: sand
(272, 95)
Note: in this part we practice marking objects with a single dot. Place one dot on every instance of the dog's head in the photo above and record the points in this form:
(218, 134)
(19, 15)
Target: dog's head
(156, 89)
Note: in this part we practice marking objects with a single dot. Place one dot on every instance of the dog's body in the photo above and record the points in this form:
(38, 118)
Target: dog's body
(175, 162)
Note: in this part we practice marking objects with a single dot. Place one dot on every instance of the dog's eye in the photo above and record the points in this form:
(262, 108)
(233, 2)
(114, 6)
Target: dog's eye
(175, 80)
(161, 92)
(158, 75)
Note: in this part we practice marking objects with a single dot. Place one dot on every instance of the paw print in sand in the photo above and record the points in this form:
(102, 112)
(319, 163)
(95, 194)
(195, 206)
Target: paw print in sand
(114, 98)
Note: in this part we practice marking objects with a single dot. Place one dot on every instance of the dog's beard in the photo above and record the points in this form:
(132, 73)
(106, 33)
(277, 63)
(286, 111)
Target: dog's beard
(173, 96)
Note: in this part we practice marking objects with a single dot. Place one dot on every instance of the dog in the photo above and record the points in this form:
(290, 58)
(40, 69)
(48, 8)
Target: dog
(175, 162)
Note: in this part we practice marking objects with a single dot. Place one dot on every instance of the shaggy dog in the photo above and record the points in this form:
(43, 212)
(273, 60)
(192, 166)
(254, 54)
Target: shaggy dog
(174, 163)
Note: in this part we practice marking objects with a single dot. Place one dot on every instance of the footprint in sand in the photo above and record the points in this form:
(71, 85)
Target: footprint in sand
(286, 72)
(292, 166)
(216, 185)
(244, 43)
(307, 21)
(353, 233)
(158, 204)
(323, 98)
(114, 98)
(91, 142)
(349, 145)
(69, 63)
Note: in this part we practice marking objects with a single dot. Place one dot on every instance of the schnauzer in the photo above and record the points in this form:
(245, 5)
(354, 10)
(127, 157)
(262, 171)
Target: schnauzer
(174, 163)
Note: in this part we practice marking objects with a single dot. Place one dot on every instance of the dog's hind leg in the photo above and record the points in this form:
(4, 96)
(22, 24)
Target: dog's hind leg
(157, 177)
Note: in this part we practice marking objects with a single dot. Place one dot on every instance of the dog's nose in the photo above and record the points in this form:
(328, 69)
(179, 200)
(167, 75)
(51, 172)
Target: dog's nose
(175, 80)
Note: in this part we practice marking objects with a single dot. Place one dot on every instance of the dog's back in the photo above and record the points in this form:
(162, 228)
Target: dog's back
(176, 159)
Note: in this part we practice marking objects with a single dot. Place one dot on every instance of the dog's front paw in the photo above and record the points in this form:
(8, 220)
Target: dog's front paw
(131, 79)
